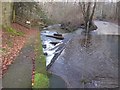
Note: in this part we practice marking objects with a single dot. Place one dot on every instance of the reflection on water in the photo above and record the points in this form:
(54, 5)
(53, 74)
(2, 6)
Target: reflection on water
(92, 59)
(87, 61)
(85, 41)
(107, 48)
(93, 42)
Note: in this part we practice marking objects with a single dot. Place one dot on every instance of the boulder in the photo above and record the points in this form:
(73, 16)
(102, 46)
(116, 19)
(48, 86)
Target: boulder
(93, 27)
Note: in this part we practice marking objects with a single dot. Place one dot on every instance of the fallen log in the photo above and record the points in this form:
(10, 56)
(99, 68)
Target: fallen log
(57, 37)
(57, 34)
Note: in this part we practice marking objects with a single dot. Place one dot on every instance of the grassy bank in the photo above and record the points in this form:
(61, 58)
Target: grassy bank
(40, 77)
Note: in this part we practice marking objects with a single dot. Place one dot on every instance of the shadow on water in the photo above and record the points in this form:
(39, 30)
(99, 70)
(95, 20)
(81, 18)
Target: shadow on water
(56, 81)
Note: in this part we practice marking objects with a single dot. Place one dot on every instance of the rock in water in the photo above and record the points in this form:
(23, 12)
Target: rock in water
(45, 54)
(44, 46)
(57, 34)
(54, 43)
(93, 27)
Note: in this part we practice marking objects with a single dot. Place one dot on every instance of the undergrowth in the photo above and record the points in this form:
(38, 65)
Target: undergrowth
(41, 81)
(13, 31)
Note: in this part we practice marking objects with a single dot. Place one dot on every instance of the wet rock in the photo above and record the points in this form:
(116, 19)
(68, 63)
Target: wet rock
(44, 46)
(82, 26)
(62, 26)
(93, 27)
(65, 25)
(54, 43)
(45, 54)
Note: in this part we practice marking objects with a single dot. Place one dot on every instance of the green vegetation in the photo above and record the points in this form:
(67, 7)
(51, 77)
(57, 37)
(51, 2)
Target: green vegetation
(12, 31)
(40, 62)
(40, 80)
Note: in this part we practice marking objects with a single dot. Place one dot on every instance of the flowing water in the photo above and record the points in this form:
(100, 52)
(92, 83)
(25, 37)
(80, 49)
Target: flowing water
(87, 62)
(53, 51)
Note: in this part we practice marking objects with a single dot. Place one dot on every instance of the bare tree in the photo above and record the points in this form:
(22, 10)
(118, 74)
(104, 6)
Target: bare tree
(88, 9)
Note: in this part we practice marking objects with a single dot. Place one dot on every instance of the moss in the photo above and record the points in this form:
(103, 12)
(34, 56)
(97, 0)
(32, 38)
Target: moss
(40, 81)
(12, 31)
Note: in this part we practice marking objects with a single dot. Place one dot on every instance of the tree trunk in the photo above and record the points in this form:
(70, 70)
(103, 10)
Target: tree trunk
(87, 17)
(91, 17)
(88, 13)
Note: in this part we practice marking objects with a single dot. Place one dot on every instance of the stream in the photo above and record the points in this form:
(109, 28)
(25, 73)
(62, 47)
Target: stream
(78, 62)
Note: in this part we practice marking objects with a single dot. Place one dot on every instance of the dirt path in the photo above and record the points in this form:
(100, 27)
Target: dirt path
(19, 73)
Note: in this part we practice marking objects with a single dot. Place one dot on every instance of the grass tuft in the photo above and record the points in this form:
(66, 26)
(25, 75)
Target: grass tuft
(40, 81)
